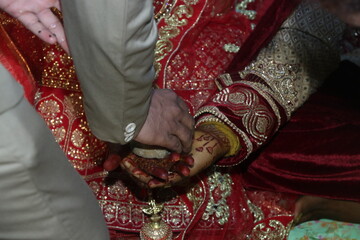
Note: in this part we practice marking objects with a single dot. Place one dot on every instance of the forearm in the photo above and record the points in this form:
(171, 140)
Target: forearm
(255, 102)
(112, 43)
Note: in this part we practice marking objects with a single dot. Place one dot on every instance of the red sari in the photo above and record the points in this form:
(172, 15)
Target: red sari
(190, 56)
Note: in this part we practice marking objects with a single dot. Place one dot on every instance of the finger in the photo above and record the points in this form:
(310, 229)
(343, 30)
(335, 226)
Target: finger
(175, 157)
(185, 136)
(141, 176)
(172, 143)
(112, 162)
(187, 118)
(189, 160)
(31, 22)
(181, 168)
(52, 24)
(159, 172)
(134, 172)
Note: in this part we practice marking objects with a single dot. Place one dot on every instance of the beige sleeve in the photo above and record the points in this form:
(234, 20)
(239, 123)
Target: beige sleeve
(112, 44)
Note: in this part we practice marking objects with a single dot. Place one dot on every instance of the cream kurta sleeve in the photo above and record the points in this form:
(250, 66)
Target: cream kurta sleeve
(112, 44)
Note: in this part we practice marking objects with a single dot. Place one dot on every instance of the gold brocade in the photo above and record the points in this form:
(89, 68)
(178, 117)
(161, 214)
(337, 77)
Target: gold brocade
(59, 70)
(174, 20)
(294, 71)
(66, 120)
(58, 98)
(275, 230)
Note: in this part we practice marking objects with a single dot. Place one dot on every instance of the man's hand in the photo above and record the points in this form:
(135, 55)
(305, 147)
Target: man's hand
(37, 16)
(168, 124)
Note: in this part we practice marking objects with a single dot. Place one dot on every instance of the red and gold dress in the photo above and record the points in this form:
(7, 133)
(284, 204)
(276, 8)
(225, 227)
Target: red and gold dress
(234, 62)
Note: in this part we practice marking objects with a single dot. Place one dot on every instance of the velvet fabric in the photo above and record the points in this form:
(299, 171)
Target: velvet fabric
(275, 13)
(319, 147)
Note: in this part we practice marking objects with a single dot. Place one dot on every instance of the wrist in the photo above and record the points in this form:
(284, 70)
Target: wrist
(226, 137)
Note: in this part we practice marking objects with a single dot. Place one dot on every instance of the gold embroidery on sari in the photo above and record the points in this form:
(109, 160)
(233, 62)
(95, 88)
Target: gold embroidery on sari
(293, 71)
(79, 144)
(173, 21)
(256, 211)
(273, 231)
(281, 78)
(59, 73)
(231, 48)
(268, 94)
(255, 116)
(195, 196)
(165, 9)
(220, 188)
(242, 6)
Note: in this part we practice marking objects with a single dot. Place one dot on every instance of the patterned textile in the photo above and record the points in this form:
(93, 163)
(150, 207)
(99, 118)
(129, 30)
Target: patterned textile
(194, 48)
(325, 229)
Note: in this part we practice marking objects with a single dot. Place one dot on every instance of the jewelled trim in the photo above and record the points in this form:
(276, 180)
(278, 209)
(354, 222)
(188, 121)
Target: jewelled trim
(220, 188)
(224, 80)
(256, 211)
(269, 95)
(231, 48)
(294, 71)
(166, 7)
(242, 6)
(280, 77)
(96, 175)
(273, 230)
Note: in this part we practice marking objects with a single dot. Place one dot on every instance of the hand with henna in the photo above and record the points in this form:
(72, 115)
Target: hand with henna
(148, 170)
(209, 145)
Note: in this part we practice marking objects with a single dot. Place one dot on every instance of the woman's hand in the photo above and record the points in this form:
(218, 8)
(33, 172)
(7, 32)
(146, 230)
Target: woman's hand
(150, 172)
(145, 170)
(37, 16)
(209, 145)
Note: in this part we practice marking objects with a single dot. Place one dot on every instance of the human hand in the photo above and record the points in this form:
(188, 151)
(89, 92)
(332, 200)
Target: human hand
(37, 16)
(168, 124)
(208, 146)
(149, 172)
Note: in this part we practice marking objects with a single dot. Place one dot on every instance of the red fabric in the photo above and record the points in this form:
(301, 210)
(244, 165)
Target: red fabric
(318, 151)
(264, 173)
(276, 13)
(12, 60)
